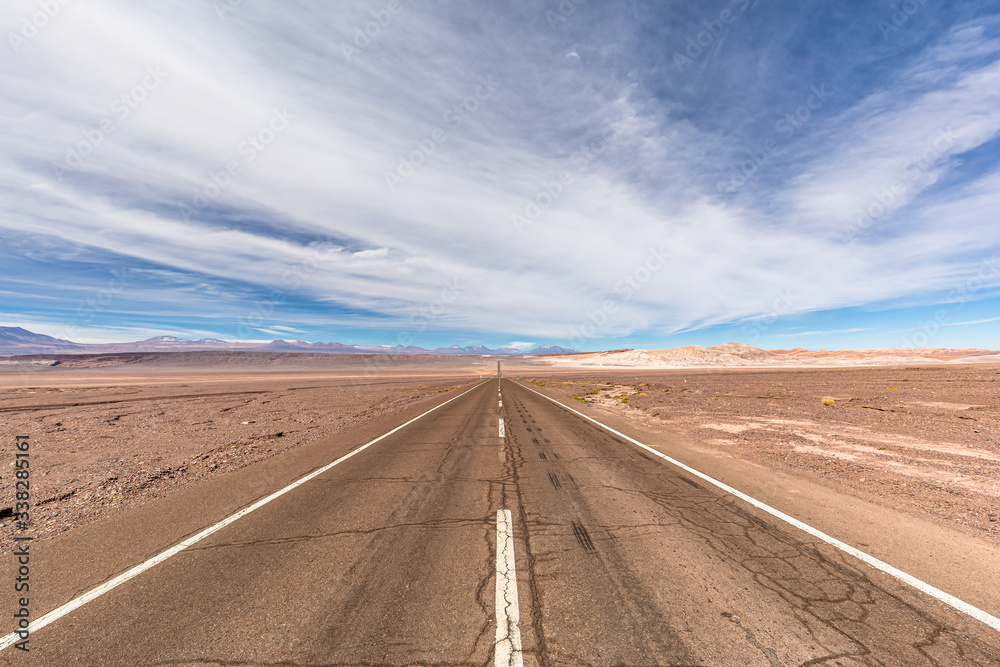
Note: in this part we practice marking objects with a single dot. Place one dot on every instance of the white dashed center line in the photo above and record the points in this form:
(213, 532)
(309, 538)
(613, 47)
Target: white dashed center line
(508, 643)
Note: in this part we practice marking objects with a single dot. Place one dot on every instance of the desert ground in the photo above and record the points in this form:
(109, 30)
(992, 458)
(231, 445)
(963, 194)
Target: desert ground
(113, 431)
(133, 455)
(925, 439)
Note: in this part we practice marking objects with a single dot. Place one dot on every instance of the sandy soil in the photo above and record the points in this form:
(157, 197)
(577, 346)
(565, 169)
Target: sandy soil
(922, 439)
(112, 432)
(108, 438)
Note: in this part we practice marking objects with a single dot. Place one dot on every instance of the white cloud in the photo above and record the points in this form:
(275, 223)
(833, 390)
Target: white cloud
(970, 322)
(443, 243)
(819, 333)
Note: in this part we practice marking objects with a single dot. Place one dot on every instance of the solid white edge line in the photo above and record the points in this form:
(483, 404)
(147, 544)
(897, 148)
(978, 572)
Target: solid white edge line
(508, 636)
(135, 571)
(936, 593)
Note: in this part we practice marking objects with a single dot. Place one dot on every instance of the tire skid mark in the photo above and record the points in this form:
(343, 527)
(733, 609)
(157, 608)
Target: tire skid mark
(554, 478)
(582, 536)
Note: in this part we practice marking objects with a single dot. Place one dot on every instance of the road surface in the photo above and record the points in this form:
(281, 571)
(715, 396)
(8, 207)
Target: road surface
(447, 544)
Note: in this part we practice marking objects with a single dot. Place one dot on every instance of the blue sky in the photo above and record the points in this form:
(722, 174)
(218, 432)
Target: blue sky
(596, 175)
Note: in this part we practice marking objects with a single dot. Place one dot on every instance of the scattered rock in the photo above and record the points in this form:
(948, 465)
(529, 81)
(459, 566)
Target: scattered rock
(161, 431)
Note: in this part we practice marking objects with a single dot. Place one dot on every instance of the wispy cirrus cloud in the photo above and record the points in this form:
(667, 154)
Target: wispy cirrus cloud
(218, 211)
(825, 333)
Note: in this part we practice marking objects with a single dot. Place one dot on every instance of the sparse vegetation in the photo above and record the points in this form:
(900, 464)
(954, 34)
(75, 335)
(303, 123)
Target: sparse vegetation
(828, 401)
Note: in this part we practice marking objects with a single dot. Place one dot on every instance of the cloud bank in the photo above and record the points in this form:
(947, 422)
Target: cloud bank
(492, 172)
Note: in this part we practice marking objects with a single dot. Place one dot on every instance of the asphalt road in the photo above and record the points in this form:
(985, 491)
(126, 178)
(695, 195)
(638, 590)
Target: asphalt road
(391, 557)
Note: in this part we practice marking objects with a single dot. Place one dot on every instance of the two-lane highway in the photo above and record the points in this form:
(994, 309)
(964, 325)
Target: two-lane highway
(399, 555)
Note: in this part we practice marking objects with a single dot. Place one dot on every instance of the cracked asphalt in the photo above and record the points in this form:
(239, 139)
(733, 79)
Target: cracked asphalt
(390, 559)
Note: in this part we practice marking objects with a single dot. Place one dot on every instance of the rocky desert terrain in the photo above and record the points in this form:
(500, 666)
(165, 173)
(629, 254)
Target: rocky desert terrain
(925, 439)
(107, 436)
(112, 431)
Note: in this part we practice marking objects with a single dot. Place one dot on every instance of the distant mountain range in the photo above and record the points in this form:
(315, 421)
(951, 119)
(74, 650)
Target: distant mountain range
(17, 341)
